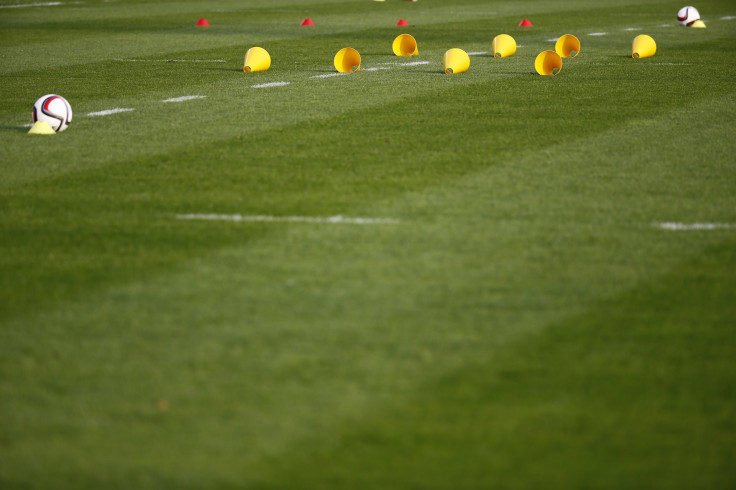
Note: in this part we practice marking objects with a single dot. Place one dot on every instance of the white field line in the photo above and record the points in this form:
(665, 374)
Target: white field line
(630, 29)
(695, 226)
(328, 75)
(597, 33)
(111, 111)
(648, 64)
(185, 98)
(376, 68)
(665, 25)
(414, 63)
(169, 61)
(729, 17)
(288, 219)
(24, 5)
(272, 84)
(410, 63)
(477, 53)
(552, 40)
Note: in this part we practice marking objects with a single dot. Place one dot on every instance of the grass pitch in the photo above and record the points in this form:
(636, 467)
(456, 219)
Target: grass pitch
(520, 322)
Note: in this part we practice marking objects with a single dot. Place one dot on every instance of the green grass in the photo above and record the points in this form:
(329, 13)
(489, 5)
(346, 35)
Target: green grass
(522, 325)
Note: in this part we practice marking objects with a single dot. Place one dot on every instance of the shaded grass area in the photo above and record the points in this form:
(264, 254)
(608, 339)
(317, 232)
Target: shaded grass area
(638, 392)
(323, 167)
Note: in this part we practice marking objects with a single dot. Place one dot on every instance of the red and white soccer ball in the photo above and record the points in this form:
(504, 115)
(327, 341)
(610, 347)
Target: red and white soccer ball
(54, 110)
(687, 15)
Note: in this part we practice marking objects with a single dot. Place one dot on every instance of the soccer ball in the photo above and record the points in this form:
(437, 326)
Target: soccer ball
(54, 110)
(687, 15)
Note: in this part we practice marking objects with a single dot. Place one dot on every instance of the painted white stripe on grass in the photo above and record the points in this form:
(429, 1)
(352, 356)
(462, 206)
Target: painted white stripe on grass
(729, 17)
(328, 75)
(130, 60)
(111, 111)
(665, 25)
(410, 63)
(414, 63)
(272, 84)
(551, 40)
(648, 64)
(375, 68)
(288, 219)
(25, 5)
(695, 226)
(597, 33)
(630, 29)
(185, 98)
(477, 53)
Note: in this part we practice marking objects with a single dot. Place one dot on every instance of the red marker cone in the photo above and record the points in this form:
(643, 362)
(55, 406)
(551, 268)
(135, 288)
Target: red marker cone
(203, 23)
(402, 22)
(308, 22)
(526, 23)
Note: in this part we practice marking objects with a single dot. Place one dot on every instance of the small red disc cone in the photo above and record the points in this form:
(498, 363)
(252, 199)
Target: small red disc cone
(203, 22)
(526, 23)
(308, 22)
(402, 22)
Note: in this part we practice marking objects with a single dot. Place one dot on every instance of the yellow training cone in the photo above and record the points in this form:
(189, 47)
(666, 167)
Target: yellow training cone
(347, 60)
(698, 23)
(568, 46)
(456, 61)
(503, 46)
(41, 127)
(405, 45)
(256, 59)
(643, 47)
(548, 63)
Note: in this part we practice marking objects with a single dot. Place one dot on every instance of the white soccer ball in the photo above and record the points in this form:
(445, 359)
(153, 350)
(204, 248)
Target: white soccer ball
(54, 110)
(687, 15)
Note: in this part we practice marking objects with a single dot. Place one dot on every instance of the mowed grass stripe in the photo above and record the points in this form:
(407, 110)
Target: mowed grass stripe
(148, 34)
(128, 209)
(524, 325)
(240, 112)
(633, 387)
(261, 188)
(232, 347)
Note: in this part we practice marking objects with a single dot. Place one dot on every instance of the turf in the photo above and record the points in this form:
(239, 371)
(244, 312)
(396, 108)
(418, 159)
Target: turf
(521, 323)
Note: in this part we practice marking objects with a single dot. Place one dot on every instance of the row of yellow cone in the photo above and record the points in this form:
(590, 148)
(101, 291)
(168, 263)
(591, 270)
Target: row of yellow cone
(455, 60)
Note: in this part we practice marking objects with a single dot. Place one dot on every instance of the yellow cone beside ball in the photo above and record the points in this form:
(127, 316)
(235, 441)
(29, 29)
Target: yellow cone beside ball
(256, 59)
(347, 60)
(503, 46)
(405, 45)
(456, 60)
(548, 63)
(698, 23)
(567, 46)
(643, 47)
(41, 127)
